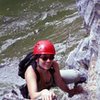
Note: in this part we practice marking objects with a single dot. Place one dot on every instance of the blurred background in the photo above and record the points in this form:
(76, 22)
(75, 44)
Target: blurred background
(24, 22)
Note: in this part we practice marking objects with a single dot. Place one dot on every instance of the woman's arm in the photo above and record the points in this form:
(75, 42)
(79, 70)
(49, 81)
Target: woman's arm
(61, 84)
(58, 79)
(31, 80)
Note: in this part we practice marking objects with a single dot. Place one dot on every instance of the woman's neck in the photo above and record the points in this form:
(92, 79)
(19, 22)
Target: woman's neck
(42, 70)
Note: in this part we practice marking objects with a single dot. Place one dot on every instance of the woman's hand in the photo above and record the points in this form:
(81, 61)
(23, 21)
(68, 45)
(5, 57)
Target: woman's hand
(48, 95)
(76, 90)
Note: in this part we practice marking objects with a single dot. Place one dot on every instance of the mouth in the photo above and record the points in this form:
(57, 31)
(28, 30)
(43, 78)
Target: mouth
(48, 64)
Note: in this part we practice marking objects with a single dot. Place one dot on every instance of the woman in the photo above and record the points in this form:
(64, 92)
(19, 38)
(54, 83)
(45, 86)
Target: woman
(43, 73)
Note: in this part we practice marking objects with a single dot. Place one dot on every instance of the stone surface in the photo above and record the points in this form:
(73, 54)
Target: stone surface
(86, 57)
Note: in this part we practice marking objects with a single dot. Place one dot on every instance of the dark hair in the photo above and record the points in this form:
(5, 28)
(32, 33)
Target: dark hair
(36, 56)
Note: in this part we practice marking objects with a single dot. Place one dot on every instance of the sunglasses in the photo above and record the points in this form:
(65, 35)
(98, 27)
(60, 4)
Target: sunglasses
(45, 57)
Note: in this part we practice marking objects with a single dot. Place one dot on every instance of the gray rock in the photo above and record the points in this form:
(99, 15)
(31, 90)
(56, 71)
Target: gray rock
(86, 57)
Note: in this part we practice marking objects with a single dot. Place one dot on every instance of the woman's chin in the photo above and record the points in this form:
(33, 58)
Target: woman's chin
(47, 68)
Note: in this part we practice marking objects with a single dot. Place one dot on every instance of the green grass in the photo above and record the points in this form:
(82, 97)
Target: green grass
(52, 32)
(15, 7)
(11, 7)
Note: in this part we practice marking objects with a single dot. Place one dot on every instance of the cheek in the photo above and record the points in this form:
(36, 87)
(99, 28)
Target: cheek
(40, 62)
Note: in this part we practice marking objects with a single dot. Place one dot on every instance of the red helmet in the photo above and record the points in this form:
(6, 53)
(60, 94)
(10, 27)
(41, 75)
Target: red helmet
(44, 47)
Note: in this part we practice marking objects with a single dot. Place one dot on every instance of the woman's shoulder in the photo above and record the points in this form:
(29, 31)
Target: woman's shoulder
(32, 71)
(32, 67)
(29, 69)
(55, 63)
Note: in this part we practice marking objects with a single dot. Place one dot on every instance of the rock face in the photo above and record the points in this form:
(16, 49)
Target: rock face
(86, 57)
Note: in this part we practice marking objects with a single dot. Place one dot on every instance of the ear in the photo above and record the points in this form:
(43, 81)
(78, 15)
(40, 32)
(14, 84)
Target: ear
(37, 60)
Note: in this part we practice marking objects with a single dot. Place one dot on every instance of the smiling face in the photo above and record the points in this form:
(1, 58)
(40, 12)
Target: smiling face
(45, 61)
